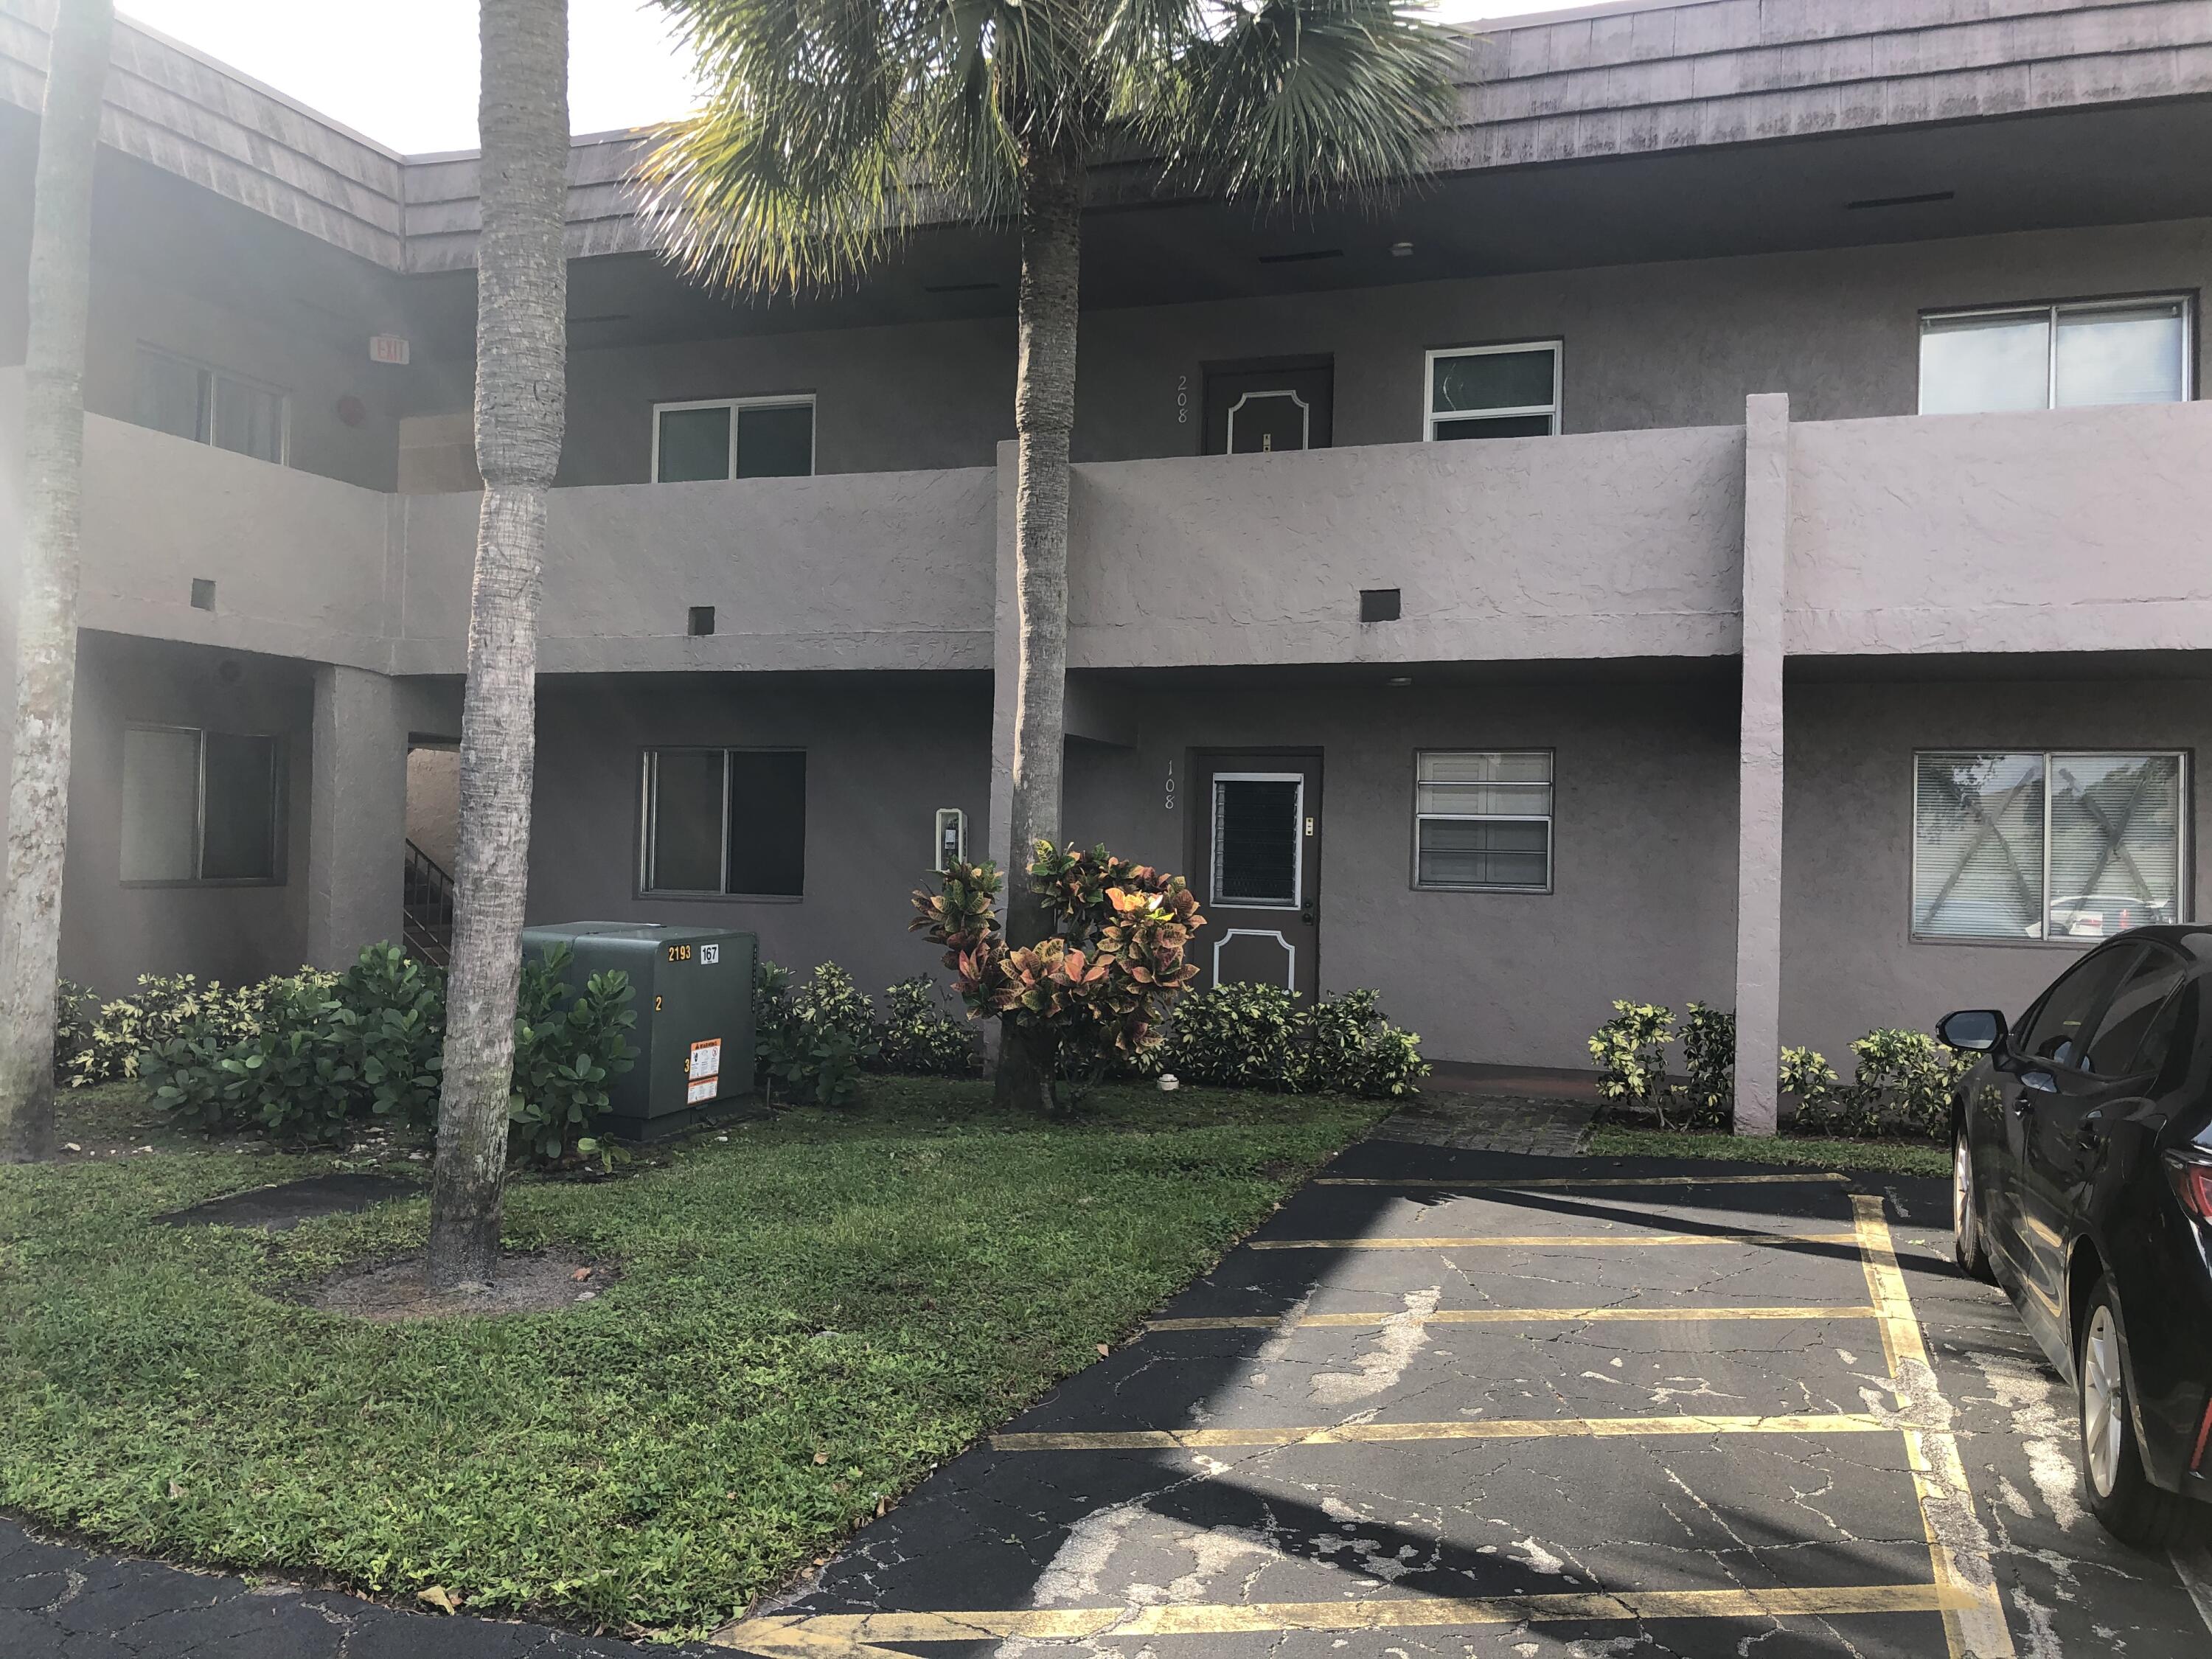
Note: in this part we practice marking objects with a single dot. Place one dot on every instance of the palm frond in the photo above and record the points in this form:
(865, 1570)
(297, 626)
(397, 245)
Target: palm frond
(831, 125)
(1300, 100)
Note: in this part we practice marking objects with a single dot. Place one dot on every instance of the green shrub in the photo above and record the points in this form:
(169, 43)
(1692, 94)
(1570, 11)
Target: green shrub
(288, 1075)
(1261, 1037)
(389, 1010)
(568, 1041)
(1707, 1097)
(1807, 1074)
(1235, 1036)
(1903, 1080)
(1344, 1046)
(75, 1006)
(169, 1006)
(1631, 1051)
(303, 1056)
(918, 1037)
(809, 1042)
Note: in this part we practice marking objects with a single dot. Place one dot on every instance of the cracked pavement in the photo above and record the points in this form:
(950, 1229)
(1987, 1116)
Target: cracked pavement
(1565, 1532)
(59, 1601)
(1398, 1523)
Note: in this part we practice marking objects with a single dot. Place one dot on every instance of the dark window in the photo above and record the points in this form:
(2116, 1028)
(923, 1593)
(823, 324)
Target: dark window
(767, 822)
(2134, 1010)
(238, 834)
(2057, 1027)
(770, 439)
(1495, 392)
(1509, 426)
(694, 444)
(1256, 841)
(199, 805)
(728, 821)
(776, 440)
(685, 799)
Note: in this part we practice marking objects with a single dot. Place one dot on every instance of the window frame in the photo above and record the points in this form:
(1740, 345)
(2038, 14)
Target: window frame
(1297, 843)
(768, 400)
(213, 377)
(278, 791)
(1556, 344)
(648, 803)
(1549, 820)
(2052, 310)
(2185, 843)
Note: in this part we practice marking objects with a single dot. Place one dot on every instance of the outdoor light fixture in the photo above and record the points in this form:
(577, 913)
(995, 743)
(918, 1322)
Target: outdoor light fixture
(1400, 679)
(1402, 250)
(951, 838)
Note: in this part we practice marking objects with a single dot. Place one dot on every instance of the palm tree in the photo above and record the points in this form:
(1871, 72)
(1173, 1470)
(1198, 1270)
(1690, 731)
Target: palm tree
(46, 617)
(522, 348)
(831, 126)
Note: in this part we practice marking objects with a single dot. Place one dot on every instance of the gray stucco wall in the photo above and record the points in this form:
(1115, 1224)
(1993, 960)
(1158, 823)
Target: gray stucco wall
(1612, 544)
(888, 570)
(1850, 963)
(882, 754)
(2065, 530)
(1644, 826)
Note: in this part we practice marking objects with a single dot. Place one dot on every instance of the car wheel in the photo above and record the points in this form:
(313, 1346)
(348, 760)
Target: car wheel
(1967, 1244)
(2121, 1495)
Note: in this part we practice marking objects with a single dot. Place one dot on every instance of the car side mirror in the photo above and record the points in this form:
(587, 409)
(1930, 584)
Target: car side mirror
(1972, 1031)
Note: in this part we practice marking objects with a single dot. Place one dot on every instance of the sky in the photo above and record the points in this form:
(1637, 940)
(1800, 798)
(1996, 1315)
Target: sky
(403, 72)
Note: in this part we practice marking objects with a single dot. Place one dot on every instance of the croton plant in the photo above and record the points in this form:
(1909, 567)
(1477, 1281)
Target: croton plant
(1100, 987)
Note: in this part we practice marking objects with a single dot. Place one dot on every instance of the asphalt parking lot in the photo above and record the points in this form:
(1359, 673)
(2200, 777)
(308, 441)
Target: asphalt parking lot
(1475, 1404)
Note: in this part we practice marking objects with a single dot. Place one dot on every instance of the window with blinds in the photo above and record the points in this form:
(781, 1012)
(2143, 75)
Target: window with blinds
(2045, 845)
(1482, 820)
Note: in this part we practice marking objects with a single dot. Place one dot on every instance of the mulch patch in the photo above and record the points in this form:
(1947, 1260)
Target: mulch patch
(387, 1292)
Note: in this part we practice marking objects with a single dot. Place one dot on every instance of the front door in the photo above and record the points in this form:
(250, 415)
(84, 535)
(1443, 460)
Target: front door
(1253, 410)
(1256, 867)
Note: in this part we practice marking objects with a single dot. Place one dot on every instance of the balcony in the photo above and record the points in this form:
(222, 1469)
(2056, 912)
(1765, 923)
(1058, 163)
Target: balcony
(1608, 544)
(2074, 531)
(2070, 529)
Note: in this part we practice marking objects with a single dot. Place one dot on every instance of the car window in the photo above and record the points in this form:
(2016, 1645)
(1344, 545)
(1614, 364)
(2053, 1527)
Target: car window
(2133, 1013)
(2062, 1019)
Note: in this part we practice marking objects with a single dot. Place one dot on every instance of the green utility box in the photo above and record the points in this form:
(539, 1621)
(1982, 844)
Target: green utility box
(693, 993)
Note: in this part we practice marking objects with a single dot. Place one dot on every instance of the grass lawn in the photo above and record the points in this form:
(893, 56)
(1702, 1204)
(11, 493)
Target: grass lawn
(1890, 1157)
(812, 1313)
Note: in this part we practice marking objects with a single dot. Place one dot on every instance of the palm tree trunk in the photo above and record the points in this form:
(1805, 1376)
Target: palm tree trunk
(522, 283)
(1044, 416)
(46, 599)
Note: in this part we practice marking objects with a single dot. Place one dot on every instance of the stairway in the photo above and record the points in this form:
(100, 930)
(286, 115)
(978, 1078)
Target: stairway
(427, 908)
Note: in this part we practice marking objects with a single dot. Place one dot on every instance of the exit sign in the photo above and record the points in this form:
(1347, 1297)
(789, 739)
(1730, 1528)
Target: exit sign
(386, 349)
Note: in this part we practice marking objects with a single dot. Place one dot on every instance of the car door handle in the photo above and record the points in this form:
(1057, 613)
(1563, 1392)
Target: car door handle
(2091, 1129)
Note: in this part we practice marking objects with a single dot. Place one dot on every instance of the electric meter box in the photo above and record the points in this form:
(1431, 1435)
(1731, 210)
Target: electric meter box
(692, 991)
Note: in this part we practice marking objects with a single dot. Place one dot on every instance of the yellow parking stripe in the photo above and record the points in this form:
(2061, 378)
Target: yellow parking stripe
(1510, 1316)
(1533, 1241)
(1477, 1428)
(1501, 1183)
(848, 1635)
(1974, 1622)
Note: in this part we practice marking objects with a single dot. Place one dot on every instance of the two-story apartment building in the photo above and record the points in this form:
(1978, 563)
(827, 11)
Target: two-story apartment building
(1817, 619)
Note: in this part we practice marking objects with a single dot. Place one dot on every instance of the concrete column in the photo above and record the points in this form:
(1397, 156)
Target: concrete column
(1006, 673)
(1758, 767)
(357, 815)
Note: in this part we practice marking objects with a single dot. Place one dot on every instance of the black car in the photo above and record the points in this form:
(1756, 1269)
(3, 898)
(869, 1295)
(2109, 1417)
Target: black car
(2082, 1183)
